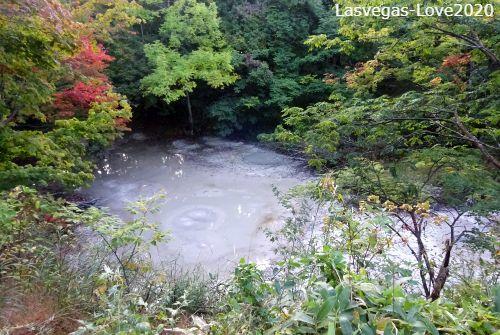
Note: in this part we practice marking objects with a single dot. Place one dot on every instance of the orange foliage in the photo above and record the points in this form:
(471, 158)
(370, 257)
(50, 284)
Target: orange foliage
(454, 61)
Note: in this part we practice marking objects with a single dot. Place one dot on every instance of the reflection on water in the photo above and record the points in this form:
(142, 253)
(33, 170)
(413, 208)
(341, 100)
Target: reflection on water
(219, 194)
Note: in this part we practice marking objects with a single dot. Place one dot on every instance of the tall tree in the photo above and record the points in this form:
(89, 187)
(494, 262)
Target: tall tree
(56, 106)
(192, 49)
(33, 41)
(433, 80)
(417, 110)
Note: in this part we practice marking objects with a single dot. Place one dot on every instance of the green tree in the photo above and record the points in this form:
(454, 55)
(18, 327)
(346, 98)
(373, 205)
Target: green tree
(31, 51)
(104, 18)
(275, 68)
(411, 191)
(194, 49)
(429, 81)
(40, 54)
(417, 113)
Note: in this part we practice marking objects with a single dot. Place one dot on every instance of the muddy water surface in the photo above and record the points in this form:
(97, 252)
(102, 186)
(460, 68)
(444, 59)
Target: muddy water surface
(219, 195)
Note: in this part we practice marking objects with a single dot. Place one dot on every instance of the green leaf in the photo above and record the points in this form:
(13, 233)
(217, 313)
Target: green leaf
(303, 317)
(345, 324)
(325, 308)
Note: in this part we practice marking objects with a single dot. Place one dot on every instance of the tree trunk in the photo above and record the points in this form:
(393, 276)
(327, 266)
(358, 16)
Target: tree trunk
(444, 272)
(190, 116)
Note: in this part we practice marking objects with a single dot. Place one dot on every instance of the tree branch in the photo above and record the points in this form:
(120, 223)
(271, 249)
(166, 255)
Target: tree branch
(477, 143)
(475, 43)
(8, 119)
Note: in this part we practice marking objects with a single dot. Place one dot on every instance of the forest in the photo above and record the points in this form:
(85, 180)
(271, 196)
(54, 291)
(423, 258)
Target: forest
(263, 167)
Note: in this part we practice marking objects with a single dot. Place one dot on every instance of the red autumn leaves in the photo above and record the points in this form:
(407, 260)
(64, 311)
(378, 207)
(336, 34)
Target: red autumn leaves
(92, 86)
(79, 98)
(91, 61)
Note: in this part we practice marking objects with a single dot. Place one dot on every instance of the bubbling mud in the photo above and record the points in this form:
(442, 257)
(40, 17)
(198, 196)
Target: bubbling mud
(219, 195)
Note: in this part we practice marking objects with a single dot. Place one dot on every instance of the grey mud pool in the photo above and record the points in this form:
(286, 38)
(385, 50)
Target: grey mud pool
(219, 195)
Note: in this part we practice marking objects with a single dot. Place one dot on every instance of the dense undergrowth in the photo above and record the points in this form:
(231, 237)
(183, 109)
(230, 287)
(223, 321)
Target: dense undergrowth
(337, 278)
